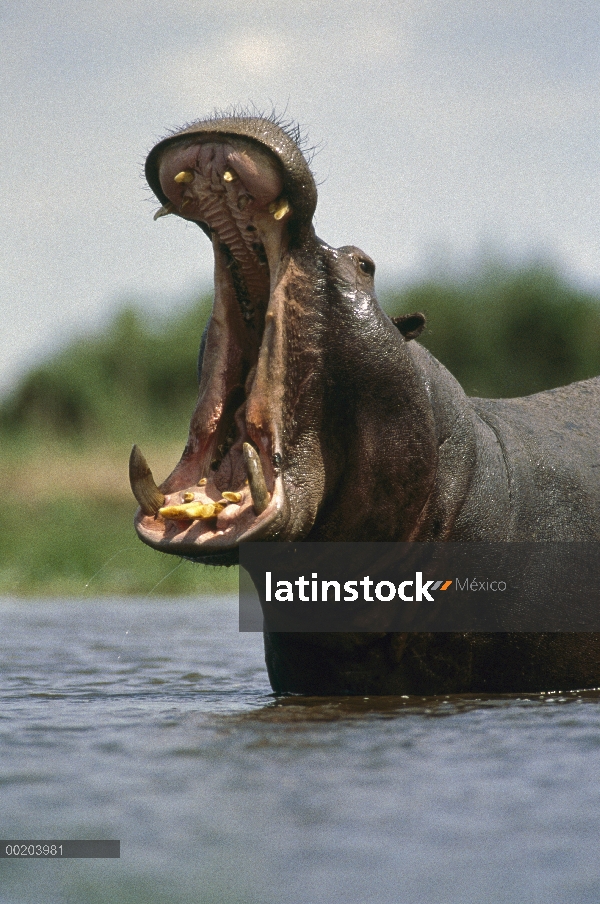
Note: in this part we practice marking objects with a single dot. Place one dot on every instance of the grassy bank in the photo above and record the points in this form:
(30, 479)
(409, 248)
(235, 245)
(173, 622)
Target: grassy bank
(66, 528)
(64, 548)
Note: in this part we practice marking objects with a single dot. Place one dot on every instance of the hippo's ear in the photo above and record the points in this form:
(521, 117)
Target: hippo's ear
(410, 325)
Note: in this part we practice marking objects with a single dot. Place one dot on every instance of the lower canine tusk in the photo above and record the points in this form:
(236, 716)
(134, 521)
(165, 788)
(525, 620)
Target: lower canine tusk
(256, 479)
(142, 483)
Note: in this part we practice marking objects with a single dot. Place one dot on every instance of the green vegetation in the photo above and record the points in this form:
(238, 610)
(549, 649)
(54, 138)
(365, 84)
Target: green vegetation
(67, 429)
(505, 332)
(66, 546)
(137, 379)
(66, 434)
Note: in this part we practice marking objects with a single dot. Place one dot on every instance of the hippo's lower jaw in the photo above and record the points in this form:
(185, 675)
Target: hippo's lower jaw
(228, 485)
(192, 524)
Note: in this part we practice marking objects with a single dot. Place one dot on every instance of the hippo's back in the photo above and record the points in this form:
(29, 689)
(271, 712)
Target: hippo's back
(550, 443)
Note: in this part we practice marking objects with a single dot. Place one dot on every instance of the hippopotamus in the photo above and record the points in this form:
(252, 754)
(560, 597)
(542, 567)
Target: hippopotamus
(320, 418)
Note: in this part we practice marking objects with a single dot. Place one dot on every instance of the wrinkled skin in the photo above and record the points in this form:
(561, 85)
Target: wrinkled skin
(360, 433)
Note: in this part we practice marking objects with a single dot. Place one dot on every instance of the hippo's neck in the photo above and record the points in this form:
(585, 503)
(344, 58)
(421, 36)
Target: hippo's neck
(469, 457)
(410, 451)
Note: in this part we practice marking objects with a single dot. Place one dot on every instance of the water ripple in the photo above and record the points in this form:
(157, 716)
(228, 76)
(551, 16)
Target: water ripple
(154, 723)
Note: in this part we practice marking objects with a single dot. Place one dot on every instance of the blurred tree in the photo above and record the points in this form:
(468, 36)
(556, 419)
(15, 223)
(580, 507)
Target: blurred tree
(138, 377)
(501, 332)
(505, 332)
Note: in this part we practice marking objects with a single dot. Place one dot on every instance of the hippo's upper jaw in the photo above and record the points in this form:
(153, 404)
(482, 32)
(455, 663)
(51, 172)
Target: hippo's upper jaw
(246, 183)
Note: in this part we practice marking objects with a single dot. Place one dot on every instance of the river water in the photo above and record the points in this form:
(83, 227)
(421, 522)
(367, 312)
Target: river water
(153, 723)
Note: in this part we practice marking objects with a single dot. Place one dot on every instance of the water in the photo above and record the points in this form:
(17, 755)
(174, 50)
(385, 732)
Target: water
(153, 723)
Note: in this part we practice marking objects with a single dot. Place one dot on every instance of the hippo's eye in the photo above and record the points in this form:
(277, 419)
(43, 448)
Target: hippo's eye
(367, 266)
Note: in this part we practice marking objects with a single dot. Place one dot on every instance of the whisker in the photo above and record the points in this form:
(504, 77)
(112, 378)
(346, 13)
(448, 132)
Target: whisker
(108, 561)
(168, 574)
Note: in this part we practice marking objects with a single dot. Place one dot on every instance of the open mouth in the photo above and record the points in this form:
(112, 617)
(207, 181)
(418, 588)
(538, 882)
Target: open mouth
(228, 485)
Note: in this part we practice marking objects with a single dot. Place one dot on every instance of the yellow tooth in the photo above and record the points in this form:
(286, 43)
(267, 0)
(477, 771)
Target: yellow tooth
(183, 176)
(229, 176)
(164, 211)
(184, 203)
(202, 482)
(232, 497)
(188, 497)
(192, 511)
(280, 208)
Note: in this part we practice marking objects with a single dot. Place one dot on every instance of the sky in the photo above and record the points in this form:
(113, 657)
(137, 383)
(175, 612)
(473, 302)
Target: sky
(444, 130)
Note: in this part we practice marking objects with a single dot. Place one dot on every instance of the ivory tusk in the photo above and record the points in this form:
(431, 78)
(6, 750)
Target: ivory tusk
(142, 483)
(256, 479)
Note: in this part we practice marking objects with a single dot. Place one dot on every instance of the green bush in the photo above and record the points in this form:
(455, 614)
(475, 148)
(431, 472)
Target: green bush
(506, 332)
(139, 378)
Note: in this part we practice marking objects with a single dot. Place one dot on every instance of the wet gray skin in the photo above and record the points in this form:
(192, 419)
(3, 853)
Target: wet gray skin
(319, 418)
